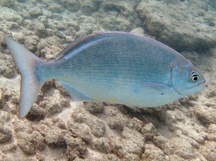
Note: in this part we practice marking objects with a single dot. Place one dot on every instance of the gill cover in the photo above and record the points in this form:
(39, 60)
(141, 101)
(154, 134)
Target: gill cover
(183, 79)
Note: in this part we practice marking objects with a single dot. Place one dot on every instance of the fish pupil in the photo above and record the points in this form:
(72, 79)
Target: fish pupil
(195, 77)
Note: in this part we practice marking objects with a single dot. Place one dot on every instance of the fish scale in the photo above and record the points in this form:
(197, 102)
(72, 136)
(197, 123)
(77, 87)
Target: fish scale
(115, 67)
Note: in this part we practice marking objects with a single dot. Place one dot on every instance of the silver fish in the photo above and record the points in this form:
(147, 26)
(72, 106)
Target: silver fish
(115, 67)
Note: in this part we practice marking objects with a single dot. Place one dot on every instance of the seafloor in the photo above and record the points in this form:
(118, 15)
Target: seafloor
(58, 129)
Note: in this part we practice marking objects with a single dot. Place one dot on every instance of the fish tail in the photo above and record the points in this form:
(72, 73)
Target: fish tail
(31, 82)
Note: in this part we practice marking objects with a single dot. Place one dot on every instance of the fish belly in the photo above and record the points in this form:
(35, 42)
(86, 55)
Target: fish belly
(138, 94)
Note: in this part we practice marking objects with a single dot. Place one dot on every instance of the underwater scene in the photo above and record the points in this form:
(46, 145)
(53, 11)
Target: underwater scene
(97, 80)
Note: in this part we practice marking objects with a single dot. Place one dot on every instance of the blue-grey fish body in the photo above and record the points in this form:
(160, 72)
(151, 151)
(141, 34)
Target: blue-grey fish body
(116, 67)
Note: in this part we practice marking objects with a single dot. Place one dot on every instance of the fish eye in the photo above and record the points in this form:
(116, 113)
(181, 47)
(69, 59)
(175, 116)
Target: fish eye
(194, 77)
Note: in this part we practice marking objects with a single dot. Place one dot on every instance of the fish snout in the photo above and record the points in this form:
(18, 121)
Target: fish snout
(205, 83)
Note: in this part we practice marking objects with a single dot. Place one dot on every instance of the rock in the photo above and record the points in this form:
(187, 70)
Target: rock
(115, 119)
(56, 103)
(180, 147)
(87, 25)
(129, 157)
(160, 141)
(94, 155)
(135, 124)
(49, 49)
(19, 37)
(56, 137)
(78, 159)
(206, 115)
(4, 117)
(75, 147)
(134, 136)
(7, 3)
(133, 143)
(103, 145)
(94, 108)
(90, 6)
(7, 67)
(5, 134)
(80, 130)
(53, 135)
(96, 125)
(44, 20)
(212, 3)
(169, 23)
(40, 29)
(116, 23)
(174, 157)
(211, 94)
(8, 14)
(153, 153)
(124, 8)
(38, 111)
(72, 5)
(196, 134)
(112, 157)
(30, 142)
(51, 104)
(2, 102)
(138, 30)
(149, 131)
(24, 126)
(174, 116)
(9, 100)
(55, 8)
(9, 148)
(31, 43)
(208, 150)
(22, 1)
(35, 12)
(212, 132)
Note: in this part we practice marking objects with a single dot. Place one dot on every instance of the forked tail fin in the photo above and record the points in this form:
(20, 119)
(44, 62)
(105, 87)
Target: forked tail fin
(27, 64)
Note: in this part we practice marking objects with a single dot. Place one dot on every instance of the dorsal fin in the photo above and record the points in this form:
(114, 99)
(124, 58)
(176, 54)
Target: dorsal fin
(80, 41)
(76, 43)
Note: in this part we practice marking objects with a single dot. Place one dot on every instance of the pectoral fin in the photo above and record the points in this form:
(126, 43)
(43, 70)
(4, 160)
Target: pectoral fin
(151, 87)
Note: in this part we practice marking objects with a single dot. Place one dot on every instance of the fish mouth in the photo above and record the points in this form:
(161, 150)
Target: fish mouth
(204, 84)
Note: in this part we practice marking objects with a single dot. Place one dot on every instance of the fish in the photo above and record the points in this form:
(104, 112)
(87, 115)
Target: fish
(116, 67)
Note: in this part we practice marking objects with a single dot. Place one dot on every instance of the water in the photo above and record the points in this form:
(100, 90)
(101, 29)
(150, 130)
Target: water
(184, 130)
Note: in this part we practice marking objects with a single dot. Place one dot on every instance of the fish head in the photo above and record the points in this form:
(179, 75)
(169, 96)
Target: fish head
(187, 79)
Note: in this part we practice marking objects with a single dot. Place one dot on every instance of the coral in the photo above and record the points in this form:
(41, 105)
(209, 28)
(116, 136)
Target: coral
(59, 129)
(153, 153)
(177, 22)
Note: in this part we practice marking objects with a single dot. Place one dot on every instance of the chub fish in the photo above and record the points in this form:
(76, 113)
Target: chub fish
(115, 67)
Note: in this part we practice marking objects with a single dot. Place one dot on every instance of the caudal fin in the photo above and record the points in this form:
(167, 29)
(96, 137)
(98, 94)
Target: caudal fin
(27, 64)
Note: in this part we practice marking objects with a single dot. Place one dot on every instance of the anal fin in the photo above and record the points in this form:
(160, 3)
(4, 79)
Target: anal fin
(74, 93)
